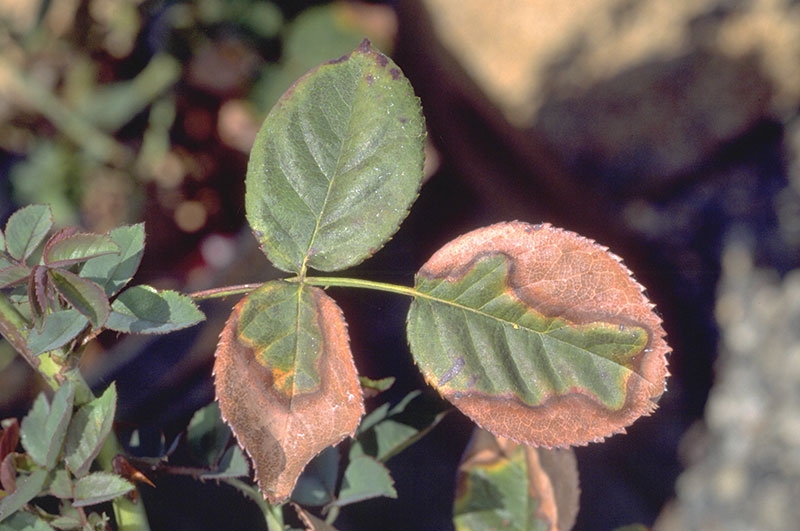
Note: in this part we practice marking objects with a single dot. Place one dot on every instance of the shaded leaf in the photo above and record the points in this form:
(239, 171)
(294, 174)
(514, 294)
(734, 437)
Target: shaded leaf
(60, 328)
(88, 430)
(316, 486)
(537, 334)
(43, 429)
(386, 431)
(286, 381)
(100, 487)
(232, 464)
(37, 294)
(113, 271)
(365, 478)
(207, 434)
(25, 521)
(68, 247)
(28, 488)
(145, 310)
(336, 164)
(26, 230)
(504, 485)
(83, 295)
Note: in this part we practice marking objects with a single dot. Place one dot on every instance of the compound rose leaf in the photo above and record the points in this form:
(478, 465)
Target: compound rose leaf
(336, 164)
(502, 484)
(285, 380)
(538, 334)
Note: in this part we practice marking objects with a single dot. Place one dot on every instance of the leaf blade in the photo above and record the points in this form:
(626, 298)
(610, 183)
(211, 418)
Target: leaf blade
(83, 295)
(27, 489)
(26, 229)
(43, 430)
(284, 358)
(526, 327)
(88, 430)
(100, 487)
(336, 164)
(61, 327)
(77, 247)
(144, 310)
(112, 272)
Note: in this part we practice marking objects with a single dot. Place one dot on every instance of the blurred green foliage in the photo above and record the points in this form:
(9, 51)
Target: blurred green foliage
(102, 102)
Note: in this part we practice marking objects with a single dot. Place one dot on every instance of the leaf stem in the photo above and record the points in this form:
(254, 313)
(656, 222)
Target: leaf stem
(345, 282)
(226, 291)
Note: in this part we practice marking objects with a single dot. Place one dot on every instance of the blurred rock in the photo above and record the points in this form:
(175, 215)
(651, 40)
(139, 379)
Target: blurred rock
(746, 471)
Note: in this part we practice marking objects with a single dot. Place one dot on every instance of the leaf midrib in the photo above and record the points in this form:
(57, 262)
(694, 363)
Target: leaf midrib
(334, 175)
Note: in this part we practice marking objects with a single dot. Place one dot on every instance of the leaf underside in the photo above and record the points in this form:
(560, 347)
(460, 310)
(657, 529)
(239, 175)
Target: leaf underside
(285, 380)
(537, 334)
(336, 164)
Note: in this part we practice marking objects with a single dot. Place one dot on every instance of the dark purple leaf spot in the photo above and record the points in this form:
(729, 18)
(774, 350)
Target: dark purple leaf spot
(396, 74)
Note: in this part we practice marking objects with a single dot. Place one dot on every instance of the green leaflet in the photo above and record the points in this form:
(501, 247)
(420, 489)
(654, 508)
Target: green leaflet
(336, 164)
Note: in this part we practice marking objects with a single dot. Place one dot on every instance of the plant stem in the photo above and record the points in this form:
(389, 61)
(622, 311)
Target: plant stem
(12, 327)
(215, 293)
(344, 282)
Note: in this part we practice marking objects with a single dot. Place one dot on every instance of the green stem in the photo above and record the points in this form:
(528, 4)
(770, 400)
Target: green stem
(13, 327)
(344, 282)
(227, 291)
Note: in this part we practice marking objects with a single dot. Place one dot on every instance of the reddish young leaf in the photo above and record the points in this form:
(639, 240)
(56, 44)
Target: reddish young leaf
(538, 334)
(285, 380)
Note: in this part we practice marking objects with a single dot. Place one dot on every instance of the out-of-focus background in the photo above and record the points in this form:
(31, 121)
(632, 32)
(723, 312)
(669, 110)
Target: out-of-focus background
(666, 130)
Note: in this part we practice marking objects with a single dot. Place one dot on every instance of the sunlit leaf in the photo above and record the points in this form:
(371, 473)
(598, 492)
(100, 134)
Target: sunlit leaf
(365, 478)
(286, 381)
(88, 430)
(100, 487)
(26, 229)
(68, 247)
(336, 164)
(43, 429)
(375, 387)
(112, 272)
(504, 485)
(145, 310)
(60, 328)
(538, 334)
(83, 295)
(28, 488)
